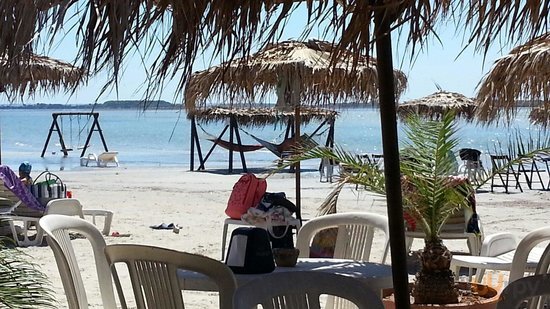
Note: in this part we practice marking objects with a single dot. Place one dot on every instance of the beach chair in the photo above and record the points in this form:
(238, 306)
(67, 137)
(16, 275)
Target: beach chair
(153, 274)
(529, 168)
(31, 233)
(57, 227)
(303, 290)
(107, 157)
(354, 238)
(500, 252)
(471, 166)
(497, 252)
(526, 289)
(502, 170)
(101, 160)
(456, 227)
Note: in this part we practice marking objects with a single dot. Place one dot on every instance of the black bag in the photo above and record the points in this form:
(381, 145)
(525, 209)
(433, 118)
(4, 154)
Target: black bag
(281, 237)
(270, 200)
(473, 224)
(250, 251)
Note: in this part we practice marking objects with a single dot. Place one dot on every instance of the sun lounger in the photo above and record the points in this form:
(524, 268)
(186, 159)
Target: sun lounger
(21, 210)
(101, 160)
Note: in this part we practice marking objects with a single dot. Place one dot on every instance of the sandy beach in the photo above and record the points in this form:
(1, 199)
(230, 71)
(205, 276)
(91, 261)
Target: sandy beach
(140, 197)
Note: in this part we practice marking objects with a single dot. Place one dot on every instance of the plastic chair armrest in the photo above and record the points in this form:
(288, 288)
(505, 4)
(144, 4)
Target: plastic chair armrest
(108, 218)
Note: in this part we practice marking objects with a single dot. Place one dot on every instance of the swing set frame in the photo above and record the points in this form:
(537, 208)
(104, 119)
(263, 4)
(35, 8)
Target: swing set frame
(55, 128)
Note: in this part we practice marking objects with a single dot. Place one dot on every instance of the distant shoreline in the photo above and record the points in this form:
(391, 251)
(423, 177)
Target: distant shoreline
(164, 105)
(158, 105)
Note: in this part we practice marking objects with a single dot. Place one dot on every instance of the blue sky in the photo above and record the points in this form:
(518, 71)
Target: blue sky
(437, 63)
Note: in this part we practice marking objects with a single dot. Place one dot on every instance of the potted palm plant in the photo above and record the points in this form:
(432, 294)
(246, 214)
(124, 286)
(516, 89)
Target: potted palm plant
(22, 284)
(430, 196)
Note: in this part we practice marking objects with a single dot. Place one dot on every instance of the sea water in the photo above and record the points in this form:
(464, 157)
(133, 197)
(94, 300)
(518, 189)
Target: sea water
(162, 137)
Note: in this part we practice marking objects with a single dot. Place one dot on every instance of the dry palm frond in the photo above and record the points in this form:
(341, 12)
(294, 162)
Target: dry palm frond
(107, 29)
(436, 105)
(279, 65)
(510, 21)
(540, 116)
(522, 74)
(38, 72)
(259, 116)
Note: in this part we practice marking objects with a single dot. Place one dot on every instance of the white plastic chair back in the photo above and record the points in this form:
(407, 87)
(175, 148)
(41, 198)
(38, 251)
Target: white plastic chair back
(355, 234)
(57, 228)
(499, 243)
(522, 289)
(524, 248)
(65, 206)
(302, 290)
(153, 273)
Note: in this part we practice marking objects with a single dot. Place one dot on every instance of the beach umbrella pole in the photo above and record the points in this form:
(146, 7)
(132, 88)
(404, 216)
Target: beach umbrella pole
(388, 121)
(297, 166)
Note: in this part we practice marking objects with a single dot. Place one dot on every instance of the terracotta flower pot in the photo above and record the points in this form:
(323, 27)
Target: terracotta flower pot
(490, 298)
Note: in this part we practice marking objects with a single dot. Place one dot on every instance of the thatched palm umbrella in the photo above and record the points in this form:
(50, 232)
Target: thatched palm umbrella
(435, 105)
(540, 115)
(110, 27)
(38, 72)
(523, 74)
(297, 72)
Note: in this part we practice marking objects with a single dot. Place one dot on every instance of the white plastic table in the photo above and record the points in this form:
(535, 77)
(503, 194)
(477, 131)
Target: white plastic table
(373, 275)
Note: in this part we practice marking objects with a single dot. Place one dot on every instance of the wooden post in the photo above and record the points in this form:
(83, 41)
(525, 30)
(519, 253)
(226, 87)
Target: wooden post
(297, 165)
(201, 167)
(49, 135)
(100, 132)
(231, 142)
(193, 133)
(238, 136)
(383, 20)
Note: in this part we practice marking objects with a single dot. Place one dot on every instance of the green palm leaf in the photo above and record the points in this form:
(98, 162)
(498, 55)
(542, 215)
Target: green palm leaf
(22, 284)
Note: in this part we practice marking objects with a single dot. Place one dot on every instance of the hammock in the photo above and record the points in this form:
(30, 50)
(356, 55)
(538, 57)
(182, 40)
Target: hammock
(288, 145)
(230, 146)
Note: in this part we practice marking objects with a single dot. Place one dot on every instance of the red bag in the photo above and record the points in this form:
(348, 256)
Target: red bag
(247, 192)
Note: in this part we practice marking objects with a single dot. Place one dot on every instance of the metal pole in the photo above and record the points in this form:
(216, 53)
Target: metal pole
(391, 159)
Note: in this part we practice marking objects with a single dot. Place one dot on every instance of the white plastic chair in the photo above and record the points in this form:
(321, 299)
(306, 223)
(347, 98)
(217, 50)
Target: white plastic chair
(153, 273)
(355, 234)
(302, 290)
(57, 228)
(456, 227)
(525, 246)
(523, 289)
(502, 252)
(65, 206)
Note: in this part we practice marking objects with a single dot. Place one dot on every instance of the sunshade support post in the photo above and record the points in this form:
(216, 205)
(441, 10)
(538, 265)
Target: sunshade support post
(195, 141)
(388, 121)
(231, 128)
(297, 165)
(289, 127)
(238, 137)
(201, 167)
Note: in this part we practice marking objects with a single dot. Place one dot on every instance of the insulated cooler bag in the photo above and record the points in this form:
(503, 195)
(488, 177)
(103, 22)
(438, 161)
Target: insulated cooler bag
(250, 251)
